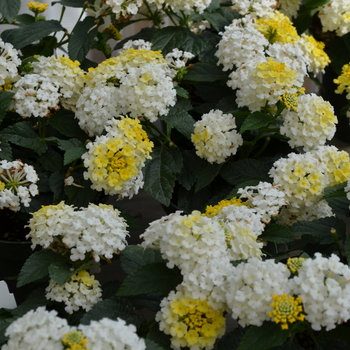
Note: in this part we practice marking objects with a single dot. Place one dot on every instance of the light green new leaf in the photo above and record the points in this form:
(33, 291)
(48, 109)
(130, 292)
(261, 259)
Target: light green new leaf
(147, 279)
(37, 265)
(21, 37)
(265, 337)
(82, 38)
(9, 9)
(180, 120)
(22, 135)
(160, 173)
(277, 234)
(133, 257)
(168, 38)
(256, 120)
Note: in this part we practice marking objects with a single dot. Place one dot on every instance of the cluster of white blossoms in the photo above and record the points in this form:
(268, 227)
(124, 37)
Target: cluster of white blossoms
(36, 330)
(265, 199)
(215, 137)
(42, 330)
(280, 61)
(114, 161)
(254, 7)
(112, 334)
(323, 284)
(52, 82)
(138, 82)
(9, 62)
(190, 321)
(82, 290)
(335, 16)
(185, 6)
(17, 184)
(311, 124)
(98, 230)
(250, 289)
(124, 8)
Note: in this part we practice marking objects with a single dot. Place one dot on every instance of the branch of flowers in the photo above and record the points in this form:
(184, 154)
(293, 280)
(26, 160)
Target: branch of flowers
(184, 21)
(154, 17)
(170, 15)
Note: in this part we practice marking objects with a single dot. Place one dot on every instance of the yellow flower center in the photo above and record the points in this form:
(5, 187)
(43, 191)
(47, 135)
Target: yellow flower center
(37, 7)
(286, 309)
(74, 340)
(211, 211)
(294, 264)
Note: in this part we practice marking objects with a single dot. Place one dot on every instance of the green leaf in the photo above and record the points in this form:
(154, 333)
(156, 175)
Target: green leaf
(151, 345)
(60, 272)
(22, 135)
(206, 175)
(190, 172)
(21, 37)
(66, 123)
(5, 149)
(245, 170)
(36, 266)
(335, 191)
(340, 205)
(82, 38)
(231, 340)
(71, 3)
(5, 100)
(168, 38)
(180, 120)
(134, 256)
(219, 19)
(265, 337)
(56, 182)
(51, 161)
(347, 249)
(72, 154)
(35, 299)
(277, 234)
(182, 92)
(320, 229)
(112, 308)
(66, 145)
(159, 337)
(315, 3)
(205, 72)
(256, 120)
(3, 326)
(9, 9)
(25, 18)
(160, 173)
(81, 196)
(147, 279)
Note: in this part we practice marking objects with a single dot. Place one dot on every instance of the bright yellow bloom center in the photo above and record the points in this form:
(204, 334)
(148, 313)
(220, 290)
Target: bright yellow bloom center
(37, 7)
(211, 211)
(197, 322)
(74, 340)
(277, 28)
(286, 309)
(294, 264)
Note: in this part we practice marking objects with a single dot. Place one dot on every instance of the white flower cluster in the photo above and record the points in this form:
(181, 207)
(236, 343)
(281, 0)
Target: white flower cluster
(186, 6)
(311, 124)
(80, 291)
(265, 199)
(254, 7)
(53, 81)
(114, 161)
(215, 137)
(44, 330)
(137, 82)
(17, 184)
(279, 64)
(335, 16)
(9, 62)
(97, 229)
(124, 8)
(289, 7)
(36, 330)
(250, 289)
(177, 58)
(112, 334)
(324, 286)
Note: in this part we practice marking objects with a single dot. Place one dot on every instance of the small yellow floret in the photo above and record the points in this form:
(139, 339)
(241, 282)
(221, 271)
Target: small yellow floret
(211, 211)
(37, 7)
(294, 264)
(74, 340)
(286, 309)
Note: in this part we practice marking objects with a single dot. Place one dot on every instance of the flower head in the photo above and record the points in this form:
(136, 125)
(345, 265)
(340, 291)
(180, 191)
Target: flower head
(294, 264)
(211, 210)
(80, 291)
(190, 322)
(286, 309)
(37, 7)
(74, 340)
(17, 184)
(215, 137)
(343, 81)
